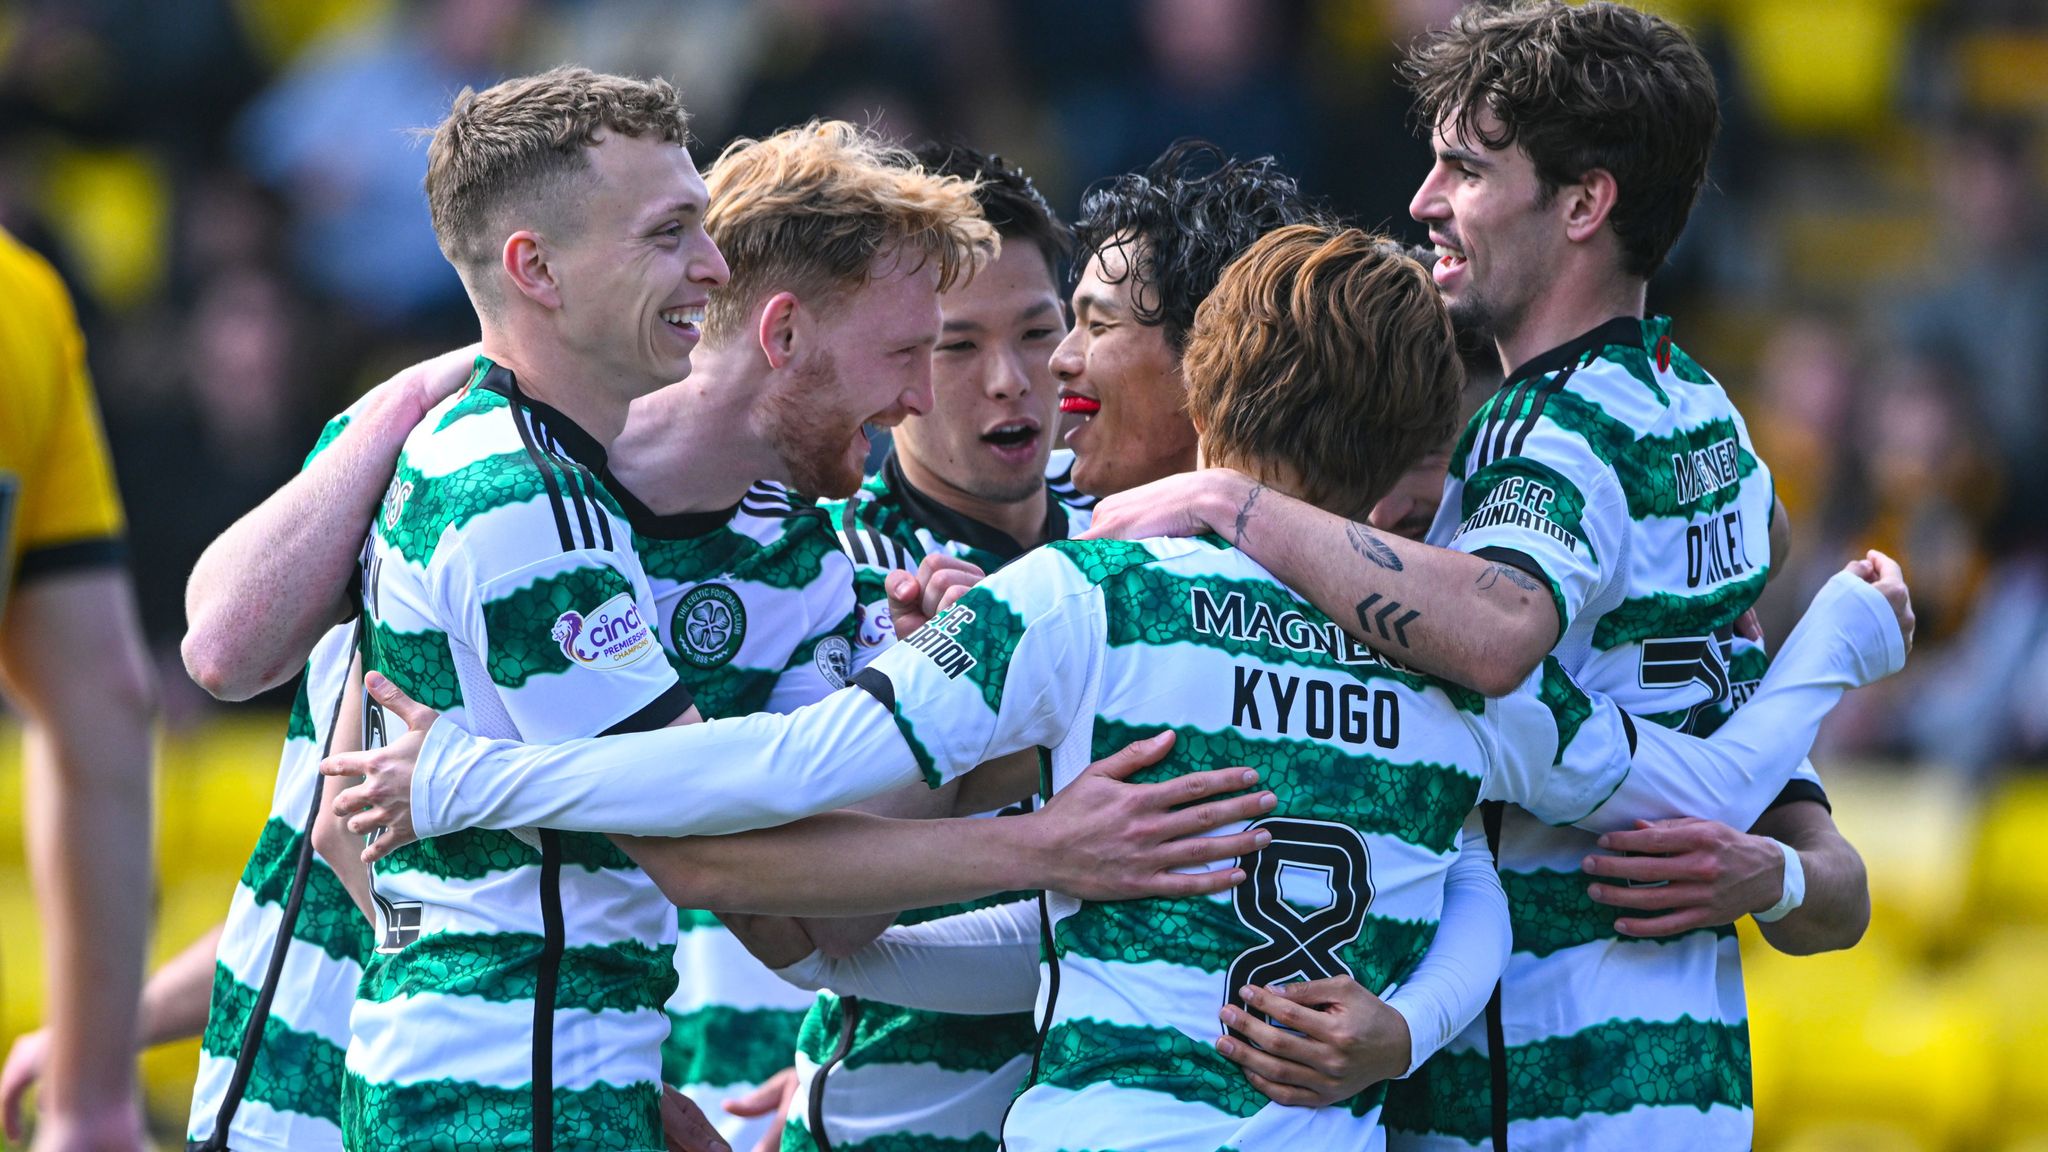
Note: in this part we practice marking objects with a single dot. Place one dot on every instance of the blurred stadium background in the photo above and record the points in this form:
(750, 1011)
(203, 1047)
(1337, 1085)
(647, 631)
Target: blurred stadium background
(230, 189)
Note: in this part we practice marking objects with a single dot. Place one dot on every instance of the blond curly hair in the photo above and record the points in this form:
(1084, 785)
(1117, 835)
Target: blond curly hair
(808, 210)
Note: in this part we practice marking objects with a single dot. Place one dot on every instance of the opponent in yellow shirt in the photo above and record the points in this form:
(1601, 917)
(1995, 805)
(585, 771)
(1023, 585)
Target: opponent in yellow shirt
(72, 653)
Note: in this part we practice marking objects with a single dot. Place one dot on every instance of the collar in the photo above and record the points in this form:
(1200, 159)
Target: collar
(1629, 330)
(948, 524)
(673, 526)
(562, 432)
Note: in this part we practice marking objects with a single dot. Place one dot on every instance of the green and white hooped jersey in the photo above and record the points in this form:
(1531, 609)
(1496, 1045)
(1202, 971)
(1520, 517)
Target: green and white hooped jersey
(1617, 469)
(900, 1077)
(293, 1098)
(515, 998)
(1081, 647)
(756, 607)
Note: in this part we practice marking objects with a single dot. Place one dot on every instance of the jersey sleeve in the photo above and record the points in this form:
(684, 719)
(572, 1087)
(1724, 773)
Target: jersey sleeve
(567, 640)
(1552, 507)
(1004, 669)
(824, 659)
(70, 511)
(1570, 757)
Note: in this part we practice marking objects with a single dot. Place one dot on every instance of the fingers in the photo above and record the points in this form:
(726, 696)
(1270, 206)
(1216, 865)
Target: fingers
(1284, 1093)
(350, 764)
(1642, 869)
(1664, 837)
(1280, 1043)
(1215, 814)
(1286, 1012)
(1656, 899)
(1195, 851)
(1180, 885)
(16, 1079)
(1138, 753)
(394, 837)
(1316, 993)
(417, 716)
(1749, 627)
(759, 1102)
(1688, 920)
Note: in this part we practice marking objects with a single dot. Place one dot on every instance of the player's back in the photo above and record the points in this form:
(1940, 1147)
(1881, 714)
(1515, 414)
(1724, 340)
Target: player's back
(1375, 769)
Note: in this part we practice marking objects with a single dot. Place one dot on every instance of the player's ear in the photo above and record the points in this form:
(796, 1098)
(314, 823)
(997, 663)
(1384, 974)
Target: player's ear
(524, 260)
(777, 328)
(1587, 203)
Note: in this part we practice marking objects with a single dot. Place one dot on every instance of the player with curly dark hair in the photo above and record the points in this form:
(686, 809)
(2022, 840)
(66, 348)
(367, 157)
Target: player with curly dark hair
(1151, 245)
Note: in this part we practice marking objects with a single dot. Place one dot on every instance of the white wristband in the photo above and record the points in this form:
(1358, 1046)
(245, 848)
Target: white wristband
(1795, 887)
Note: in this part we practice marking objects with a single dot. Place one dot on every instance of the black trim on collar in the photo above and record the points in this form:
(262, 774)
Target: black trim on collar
(674, 526)
(1620, 330)
(573, 441)
(947, 524)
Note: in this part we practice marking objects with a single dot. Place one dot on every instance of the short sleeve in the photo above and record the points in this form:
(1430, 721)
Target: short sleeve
(70, 513)
(1006, 668)
(828, 655)
(1558, 752)
(1552, 508)
(567, 643)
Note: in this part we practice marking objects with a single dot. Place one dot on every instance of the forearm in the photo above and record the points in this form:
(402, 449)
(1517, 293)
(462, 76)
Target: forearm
(1452, 982)
(174, 1002)
(88, 789)
(845, 935)
(1836, 911)
(845, 864)
(1468, 619)
(711, 779)
(263, 592)
(1849, 637)
(976, 963)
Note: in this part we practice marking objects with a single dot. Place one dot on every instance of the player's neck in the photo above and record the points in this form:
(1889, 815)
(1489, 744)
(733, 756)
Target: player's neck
(1568, 308)
(693, 446)
(551, 374)
(1020, 520)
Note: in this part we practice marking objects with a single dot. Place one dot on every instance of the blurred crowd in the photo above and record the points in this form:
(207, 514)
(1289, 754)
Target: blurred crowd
(232, 187)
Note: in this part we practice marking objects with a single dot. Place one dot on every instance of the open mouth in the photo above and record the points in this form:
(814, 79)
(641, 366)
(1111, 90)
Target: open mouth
(688, 321)
(1015, 434)
(1449, 257)
(1073, 403)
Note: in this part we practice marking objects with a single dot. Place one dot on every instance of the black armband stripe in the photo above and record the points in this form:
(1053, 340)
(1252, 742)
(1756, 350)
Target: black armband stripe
(658, 713)
(73, 556)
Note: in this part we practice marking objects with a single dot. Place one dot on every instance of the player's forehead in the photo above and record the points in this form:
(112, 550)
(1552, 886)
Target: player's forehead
(899, 302)
(1106, 283)
(644, 178)
(1017, 286)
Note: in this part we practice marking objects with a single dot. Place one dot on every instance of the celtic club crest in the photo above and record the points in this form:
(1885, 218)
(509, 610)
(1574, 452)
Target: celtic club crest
(709, 624)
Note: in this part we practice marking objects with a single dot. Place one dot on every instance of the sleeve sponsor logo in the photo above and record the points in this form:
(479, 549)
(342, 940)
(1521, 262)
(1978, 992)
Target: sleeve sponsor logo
(833, 657)
(709, 625)
(611, 636)
(876, 625)
(939, 640)
(1519, 502)
(394, 501)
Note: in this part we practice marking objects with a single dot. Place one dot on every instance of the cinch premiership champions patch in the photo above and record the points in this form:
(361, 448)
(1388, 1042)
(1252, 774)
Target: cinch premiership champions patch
(709, 624)
(612, 636)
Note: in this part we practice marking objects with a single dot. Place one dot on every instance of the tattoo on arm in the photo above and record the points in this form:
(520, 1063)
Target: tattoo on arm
(1367, 543)
(1244, 513)
(1495, 573)
(1377, 615)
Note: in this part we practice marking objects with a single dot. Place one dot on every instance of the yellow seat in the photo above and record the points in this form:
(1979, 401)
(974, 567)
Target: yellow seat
(2006, 978)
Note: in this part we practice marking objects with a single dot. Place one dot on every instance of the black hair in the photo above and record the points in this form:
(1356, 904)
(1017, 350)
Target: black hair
(1011, 203)
(1186, 217)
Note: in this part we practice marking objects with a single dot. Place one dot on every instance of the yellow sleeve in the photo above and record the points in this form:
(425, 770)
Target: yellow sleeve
(70, 511)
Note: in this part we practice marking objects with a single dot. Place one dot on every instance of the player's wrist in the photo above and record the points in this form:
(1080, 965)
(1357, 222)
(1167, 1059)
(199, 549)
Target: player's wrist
(1791, 888)
(1027, 855)
(1220, 492)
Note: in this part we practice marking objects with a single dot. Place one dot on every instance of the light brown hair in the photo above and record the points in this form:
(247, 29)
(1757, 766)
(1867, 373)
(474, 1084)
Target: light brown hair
(1327, 351)
(519, 147)
(1580, 87)
(808, 209)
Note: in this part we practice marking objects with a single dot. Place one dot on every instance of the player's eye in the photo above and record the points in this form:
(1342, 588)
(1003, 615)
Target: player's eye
(1037, 334)
(956, 346)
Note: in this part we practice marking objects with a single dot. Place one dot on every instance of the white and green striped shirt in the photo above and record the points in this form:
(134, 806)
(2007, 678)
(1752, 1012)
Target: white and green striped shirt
(292, 1100)
(515, 1001)
(757, 610)
(1617, 470)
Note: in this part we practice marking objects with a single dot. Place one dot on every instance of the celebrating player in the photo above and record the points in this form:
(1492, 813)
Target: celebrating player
(1606, 503)
(1078, 644)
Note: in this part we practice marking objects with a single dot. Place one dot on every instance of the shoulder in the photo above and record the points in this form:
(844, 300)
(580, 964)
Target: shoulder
(1100, 561)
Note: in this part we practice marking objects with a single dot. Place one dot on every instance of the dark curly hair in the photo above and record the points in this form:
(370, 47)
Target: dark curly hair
(1581, 87)
(1187, 215)
(1008, 198)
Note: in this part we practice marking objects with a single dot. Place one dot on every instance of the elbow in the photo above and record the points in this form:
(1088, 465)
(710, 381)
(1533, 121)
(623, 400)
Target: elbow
(220, 672)
(1503, 668)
